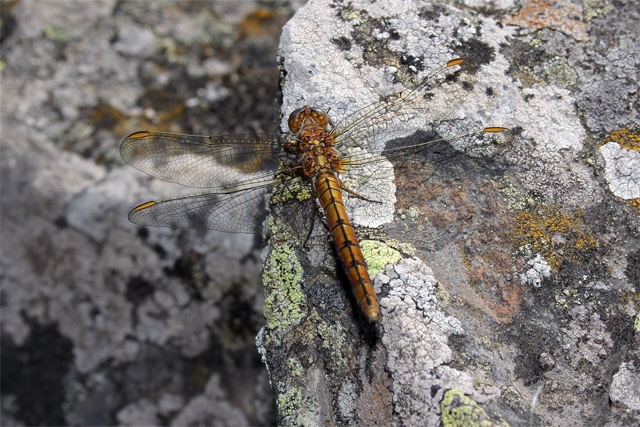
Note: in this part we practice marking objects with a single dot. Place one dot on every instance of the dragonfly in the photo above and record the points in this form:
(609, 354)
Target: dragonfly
(323, 160)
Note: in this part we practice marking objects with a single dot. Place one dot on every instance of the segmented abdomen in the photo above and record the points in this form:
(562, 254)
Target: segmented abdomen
(329, 193)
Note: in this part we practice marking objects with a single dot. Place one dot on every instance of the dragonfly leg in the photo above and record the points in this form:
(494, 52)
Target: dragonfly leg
(331, 123)
(313, 216)
(342, 186)
(353, 193)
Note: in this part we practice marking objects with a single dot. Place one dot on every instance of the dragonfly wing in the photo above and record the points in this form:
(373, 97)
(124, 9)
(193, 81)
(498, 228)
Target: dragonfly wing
(370, 126)
(241, 211)
(203, 161)
(485, 142)
(426, 161)
(429, 148)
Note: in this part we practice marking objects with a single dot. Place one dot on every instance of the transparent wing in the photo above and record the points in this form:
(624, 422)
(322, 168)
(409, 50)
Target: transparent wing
(376, 122)
(239, 170)
(421, 164)
(204, 161)
(487, 142)
(240, 211)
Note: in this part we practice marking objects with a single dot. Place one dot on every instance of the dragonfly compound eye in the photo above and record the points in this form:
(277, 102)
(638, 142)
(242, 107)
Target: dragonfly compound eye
(295, 119)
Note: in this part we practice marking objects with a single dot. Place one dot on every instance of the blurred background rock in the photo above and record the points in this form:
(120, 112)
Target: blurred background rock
(104, 322)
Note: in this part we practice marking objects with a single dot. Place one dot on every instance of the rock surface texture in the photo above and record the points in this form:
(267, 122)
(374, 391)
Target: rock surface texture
(516, 292)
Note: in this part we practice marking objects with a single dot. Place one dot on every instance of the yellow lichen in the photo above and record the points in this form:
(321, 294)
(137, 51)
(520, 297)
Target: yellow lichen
(634, 203)
(553, 234)
(295, 367)
(289, 402)
(285, 305)
(624, 138)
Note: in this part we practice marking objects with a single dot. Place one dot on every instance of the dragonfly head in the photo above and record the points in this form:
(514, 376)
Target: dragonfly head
(305, 117)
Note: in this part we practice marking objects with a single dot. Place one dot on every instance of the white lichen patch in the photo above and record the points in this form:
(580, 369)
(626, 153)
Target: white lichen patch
(416, 335)
(625, 386)
(622, 170)
(498, 4)
(347, 400)
(538, 271)
(552, 121)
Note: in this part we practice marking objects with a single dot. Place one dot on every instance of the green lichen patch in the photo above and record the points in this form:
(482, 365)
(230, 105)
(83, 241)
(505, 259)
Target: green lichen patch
(595, 8)
(404, 248)
(295, 367)
(556, 71)
(377, 255)
(290, 188)
(514, 198)
(460, 411)
(289, 402)
(444, 298)
(279, 230)
(412, 215)
(285, 305)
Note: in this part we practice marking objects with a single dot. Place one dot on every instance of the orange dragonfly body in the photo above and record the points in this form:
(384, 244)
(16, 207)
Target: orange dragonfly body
(241, 171)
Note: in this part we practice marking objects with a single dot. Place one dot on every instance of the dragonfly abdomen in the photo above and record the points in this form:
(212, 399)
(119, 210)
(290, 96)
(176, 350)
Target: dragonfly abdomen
(327, 188)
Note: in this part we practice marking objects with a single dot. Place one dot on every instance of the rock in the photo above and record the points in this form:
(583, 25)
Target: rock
(460, 316)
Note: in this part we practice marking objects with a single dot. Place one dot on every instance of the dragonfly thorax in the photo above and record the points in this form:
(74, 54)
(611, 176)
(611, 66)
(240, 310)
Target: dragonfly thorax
(315, 143)
(319, 159)
(318, 153)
